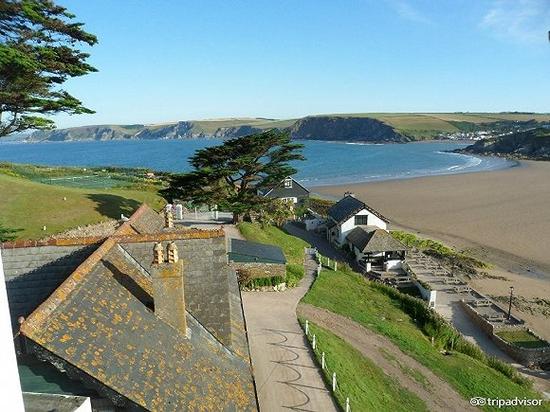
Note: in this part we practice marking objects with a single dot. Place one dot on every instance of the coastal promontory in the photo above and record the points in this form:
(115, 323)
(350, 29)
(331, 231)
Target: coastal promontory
(532, 144)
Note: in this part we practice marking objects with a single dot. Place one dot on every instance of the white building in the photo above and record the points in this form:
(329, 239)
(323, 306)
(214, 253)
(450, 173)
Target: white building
(363, 230)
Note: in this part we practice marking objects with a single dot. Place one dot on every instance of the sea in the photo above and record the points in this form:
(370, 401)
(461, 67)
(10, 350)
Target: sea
(327, 163)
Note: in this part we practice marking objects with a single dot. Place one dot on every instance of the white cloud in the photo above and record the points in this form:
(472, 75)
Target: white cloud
(406, 11)
(520, 21)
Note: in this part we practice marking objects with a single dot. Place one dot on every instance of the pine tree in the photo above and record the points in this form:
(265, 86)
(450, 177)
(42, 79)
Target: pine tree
(229, 175)
(38, 53)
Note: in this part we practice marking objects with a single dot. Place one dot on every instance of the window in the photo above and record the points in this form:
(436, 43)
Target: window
(361, 220)
(288, 183)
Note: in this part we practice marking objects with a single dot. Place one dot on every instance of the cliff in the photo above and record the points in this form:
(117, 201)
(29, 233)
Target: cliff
(532, 144)
(366, 127)
(360, 129)
(349, 129)
(179, 130)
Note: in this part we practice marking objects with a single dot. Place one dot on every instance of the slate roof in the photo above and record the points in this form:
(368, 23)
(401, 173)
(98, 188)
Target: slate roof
(349, 206)
(98, 321)
(280, 191)
(246, 251)
(371, 239)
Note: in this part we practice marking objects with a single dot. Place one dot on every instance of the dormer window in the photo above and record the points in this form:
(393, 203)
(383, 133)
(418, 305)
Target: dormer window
(288, 183)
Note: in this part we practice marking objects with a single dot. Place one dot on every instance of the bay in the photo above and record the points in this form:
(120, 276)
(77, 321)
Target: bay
(326, 162)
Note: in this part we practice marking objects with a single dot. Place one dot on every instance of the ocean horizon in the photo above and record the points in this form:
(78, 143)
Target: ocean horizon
(327, 163)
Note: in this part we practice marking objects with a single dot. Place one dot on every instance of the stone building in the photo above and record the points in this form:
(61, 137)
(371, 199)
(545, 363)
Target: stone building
(149, 318)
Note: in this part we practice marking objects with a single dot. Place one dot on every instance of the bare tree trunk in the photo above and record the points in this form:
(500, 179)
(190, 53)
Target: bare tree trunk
(237, 217)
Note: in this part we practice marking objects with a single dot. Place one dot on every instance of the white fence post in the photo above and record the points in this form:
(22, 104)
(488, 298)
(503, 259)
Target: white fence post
(333, 381)
(307, 327)
(335, 266)
(323, 361)
(347, 405)
(328, 261)
(313, 342)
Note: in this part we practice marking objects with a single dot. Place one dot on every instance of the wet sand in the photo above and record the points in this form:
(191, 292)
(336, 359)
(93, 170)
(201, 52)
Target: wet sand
(502, 217)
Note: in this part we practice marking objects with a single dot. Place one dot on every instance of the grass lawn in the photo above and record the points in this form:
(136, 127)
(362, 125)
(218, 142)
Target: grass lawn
(366, 385)
(522, 338)
(348, 294)
(293, 247)
(29, 205)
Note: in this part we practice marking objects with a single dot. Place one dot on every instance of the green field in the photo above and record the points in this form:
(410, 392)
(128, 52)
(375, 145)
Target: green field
(350, 295)
(522, 338)
(367, 386)
(28, 205)
(429, 125)
(293, 247)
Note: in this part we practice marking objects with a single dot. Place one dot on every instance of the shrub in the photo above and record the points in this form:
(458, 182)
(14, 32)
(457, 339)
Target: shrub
(445, 336)
(262, 282)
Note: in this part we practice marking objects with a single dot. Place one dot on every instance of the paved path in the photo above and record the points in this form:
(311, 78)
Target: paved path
(438, 394)
(284, 371)
(319, 242)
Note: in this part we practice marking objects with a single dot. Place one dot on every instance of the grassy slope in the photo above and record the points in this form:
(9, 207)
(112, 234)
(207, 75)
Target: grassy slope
(30, 206)
(293, 247)
(428, 125)
(367, 386)
(350, 295)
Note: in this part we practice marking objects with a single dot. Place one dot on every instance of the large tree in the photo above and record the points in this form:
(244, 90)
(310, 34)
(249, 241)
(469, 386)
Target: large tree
(230, 174)
(38, 52)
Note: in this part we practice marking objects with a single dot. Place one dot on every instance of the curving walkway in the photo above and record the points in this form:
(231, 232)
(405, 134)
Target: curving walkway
(284, 371)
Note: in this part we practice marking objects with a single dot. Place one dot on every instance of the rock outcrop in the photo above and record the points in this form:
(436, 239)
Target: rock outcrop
(349, 129)
(531, 144)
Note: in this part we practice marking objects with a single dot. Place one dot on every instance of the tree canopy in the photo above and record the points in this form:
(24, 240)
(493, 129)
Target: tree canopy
(38, 53)
(230, 174)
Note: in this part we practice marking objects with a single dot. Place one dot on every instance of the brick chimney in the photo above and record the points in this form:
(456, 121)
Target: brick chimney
(168, 287)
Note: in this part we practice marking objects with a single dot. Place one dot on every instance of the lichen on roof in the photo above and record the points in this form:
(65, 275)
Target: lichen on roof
(98, 321)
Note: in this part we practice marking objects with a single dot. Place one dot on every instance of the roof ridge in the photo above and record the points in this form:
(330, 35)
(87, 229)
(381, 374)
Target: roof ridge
(41, 314)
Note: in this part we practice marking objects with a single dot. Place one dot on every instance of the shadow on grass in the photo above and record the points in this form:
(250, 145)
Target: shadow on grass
(112, 205)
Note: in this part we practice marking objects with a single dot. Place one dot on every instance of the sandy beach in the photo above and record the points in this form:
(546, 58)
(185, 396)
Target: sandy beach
(502, 217)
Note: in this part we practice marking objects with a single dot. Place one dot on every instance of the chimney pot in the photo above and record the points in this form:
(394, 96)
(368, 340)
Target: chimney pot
(172, 252)
(158, 254)
(168, 219)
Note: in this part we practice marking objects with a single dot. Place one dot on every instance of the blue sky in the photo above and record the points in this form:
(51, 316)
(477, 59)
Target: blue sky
(172, 60)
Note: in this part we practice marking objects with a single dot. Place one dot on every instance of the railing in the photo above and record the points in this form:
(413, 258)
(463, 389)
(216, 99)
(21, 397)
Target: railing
(322, 360)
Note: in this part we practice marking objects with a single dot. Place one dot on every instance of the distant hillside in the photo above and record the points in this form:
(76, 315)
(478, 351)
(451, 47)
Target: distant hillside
(531, 144)
(369, 127)
(349, 129)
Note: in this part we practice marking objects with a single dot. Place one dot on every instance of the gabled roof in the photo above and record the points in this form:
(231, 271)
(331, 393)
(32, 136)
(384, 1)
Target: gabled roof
(371, 239)
(246, 251)
(98, 322)
(349, 206)
(266, 191)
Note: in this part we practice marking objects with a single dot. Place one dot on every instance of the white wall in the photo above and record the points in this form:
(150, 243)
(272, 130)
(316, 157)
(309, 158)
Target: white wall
(10, 387)
(349, 225)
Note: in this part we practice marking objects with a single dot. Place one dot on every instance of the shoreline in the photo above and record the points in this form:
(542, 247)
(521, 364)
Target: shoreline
(501, 217)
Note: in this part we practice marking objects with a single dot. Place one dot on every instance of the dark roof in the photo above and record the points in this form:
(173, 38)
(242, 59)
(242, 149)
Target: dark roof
(347, 207)
(98, 322)
(280, 191)
(370, 239)
(246, 251)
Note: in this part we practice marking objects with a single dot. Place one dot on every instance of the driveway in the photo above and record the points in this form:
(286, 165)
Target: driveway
(284, 371)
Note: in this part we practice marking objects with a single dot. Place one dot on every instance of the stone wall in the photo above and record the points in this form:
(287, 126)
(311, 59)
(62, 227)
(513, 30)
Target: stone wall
(206, 275)
(249, 271)
(531, 357)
